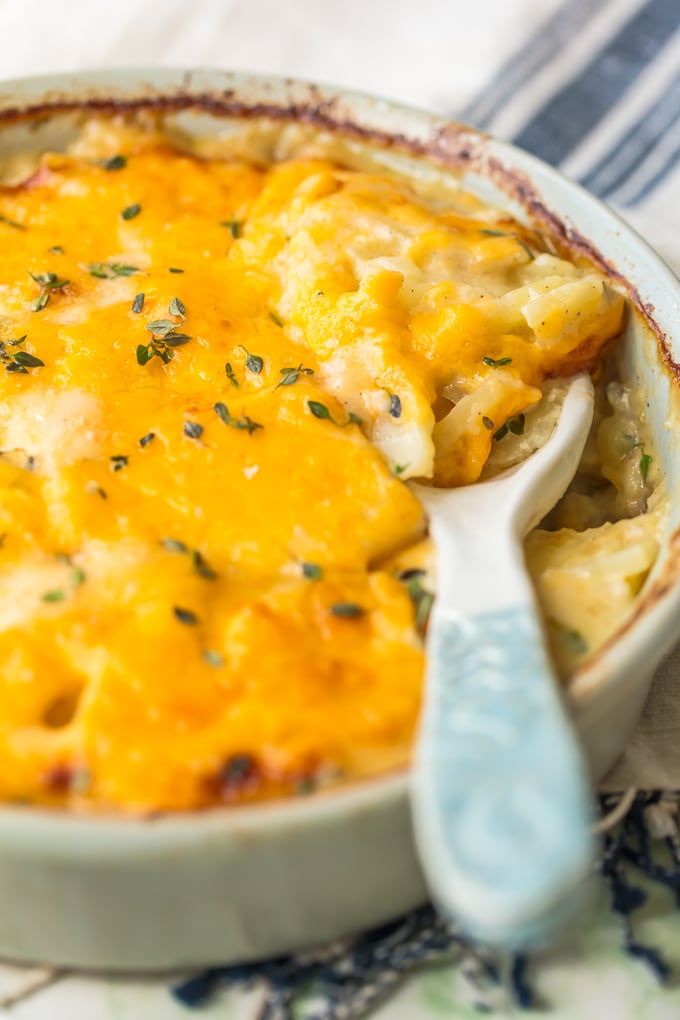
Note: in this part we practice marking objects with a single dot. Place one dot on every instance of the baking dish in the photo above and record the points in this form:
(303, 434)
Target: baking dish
(246, 882)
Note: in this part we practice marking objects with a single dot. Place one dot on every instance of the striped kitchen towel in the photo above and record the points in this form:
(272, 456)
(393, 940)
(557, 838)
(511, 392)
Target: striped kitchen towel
(595, 91)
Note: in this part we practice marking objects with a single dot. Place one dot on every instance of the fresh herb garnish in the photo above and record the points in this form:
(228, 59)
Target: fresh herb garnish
(237, 771)
(56, 249)
(212, 657)
(160, 327)
(395, 405)
(78, 577)
(347, 610)
(497, 362)
(185, 616)
(118, 461)
(306, 785)
(130, 211)
(514, 425)
(254, 363)
(193, 430)
(509, 234)
(487, 422)
(230, 374)
(12, 223)
(173, 269)
(14, 366)
(174, 545)
(95, 490)
(177, 307)
(422, 598)
(165, 338)
(234, 226)
(148, 438)
(114, 162)
(222, 412)
(645, 462)
(28, 360)
(321, 411)
(47, 283)
(291, 375)
(399, 469)
(244, 423)
(57, 595)
(138, 303)
(18, 342)
(312, 571)
(202, 568)
(573, 639)
(274, 317)
(109, 270)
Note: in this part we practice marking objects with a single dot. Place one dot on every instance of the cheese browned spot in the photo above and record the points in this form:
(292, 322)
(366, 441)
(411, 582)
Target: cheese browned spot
(200, 488)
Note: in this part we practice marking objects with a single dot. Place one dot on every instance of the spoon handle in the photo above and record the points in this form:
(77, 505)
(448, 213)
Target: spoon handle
(502, 801)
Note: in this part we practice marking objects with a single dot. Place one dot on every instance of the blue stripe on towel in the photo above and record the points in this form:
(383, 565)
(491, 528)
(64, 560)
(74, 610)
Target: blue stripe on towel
(564, 121)
(534, 54)
(659, 170)
(636, 145)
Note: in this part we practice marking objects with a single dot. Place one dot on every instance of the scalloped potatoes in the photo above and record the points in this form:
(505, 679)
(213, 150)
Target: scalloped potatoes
(216, 375)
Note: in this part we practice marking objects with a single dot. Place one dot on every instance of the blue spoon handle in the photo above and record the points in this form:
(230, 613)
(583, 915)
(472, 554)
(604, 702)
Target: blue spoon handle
(503, 807)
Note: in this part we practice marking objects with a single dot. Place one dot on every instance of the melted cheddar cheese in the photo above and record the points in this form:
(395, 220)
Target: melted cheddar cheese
(216, 376)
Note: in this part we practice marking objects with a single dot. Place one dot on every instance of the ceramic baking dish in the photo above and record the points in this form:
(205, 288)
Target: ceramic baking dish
(241, 883)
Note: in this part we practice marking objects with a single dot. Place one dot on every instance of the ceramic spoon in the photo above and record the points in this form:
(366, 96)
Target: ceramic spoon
(502, 803)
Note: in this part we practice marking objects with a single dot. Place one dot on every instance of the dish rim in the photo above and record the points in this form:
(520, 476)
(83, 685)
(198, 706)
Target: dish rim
(453, 146)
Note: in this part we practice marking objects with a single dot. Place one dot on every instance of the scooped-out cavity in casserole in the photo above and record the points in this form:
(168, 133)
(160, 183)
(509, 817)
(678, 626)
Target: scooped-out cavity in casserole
(220, 365)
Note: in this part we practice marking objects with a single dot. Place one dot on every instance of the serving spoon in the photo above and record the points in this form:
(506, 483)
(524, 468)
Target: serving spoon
(501, 799)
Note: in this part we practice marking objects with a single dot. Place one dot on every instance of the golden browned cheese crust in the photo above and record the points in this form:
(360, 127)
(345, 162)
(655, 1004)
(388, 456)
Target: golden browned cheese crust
(216, 376)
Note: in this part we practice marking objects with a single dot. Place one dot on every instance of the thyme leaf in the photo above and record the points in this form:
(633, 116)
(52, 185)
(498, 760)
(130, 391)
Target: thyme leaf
(230, 374)
(319, 410)
(347, 610)
(645, 462)
(109, 270)
(312, 571)
(244, 423)
(395, 405)
(130, 211)
(148, 438)
(202, 568)
(28, 360)
(185, 616)
(12, 223)
(254, 363)
(234, 226)
(174, 545)
(138, 303)
(118, 461)
(212, 657)
(291, 375)
(160, 327)
(497, 362)
(177, 307)
(117, 162)
(193, 430)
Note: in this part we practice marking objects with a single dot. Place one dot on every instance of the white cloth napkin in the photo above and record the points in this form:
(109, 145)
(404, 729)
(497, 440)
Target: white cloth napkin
(592, 86)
